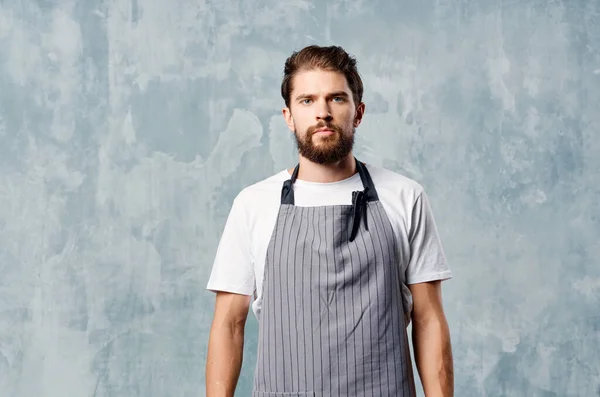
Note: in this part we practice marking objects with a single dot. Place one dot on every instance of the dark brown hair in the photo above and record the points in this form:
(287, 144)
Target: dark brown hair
(331, 58)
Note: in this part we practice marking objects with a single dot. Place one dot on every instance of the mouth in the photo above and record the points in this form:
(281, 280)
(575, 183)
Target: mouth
(324, 132)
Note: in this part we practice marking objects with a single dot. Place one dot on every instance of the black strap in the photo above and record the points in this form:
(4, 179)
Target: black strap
(359, 210)
(287, 192)
(370, 191)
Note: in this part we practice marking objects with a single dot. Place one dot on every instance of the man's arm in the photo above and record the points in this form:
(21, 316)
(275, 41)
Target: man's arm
(226, 344)
(431, 340)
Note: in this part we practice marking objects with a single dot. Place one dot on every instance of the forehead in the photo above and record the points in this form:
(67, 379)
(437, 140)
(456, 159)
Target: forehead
(319, 81)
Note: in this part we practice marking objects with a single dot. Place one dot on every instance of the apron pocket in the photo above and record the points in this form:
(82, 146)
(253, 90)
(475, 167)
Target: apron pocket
(283, 394)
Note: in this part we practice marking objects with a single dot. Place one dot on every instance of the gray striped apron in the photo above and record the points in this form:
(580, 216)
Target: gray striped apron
(332, 320)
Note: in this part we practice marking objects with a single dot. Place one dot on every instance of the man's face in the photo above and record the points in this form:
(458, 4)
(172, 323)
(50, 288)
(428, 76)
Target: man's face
(323, 115)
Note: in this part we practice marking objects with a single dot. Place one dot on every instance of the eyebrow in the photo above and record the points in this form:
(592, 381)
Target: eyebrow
(333, 94)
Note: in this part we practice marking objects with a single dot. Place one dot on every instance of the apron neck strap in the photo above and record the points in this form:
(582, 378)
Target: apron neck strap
(369, 186)
(287, 192)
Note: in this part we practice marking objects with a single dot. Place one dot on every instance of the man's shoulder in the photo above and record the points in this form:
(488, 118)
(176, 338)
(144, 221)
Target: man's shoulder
(264, 190)
(393, 181)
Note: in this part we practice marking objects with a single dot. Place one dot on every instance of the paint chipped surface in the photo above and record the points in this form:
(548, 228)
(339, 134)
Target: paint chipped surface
(127, 127)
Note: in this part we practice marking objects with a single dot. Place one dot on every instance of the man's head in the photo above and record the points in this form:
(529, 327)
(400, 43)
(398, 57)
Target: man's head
(323, 92)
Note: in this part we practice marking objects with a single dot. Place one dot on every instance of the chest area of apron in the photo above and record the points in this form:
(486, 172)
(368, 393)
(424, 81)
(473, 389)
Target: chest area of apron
(311, 252)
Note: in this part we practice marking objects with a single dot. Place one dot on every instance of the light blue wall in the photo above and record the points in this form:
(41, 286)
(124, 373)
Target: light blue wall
(127, 127)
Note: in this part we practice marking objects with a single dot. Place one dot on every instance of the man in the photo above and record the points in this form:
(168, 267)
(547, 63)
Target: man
(339, 257)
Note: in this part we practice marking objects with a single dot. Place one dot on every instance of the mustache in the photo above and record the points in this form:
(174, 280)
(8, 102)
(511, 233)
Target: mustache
(332, 127)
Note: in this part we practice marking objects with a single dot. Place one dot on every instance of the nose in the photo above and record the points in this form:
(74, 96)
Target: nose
(323, 111)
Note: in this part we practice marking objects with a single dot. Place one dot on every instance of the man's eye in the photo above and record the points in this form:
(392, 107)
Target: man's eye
(338, 99)
(306, 101)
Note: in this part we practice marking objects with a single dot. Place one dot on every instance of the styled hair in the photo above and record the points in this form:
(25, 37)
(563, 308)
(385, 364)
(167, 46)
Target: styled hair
(332, 58)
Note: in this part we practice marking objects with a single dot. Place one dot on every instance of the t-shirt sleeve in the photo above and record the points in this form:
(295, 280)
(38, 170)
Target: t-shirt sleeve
(427, 258)
(232, 269)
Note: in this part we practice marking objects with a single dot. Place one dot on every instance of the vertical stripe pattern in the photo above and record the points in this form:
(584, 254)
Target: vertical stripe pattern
(331, 322)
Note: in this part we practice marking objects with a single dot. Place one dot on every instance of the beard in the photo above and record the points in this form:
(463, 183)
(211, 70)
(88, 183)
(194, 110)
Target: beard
(330, 149)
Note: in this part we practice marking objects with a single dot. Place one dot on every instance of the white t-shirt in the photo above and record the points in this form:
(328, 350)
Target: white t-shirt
(240, 258)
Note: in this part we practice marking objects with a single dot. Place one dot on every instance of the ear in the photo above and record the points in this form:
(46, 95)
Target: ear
(360, 112)
(289, 120)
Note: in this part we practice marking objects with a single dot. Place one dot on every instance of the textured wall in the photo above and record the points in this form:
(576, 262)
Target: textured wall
(127, 127)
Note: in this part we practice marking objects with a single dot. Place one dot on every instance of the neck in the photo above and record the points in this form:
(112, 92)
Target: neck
(313, 172)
